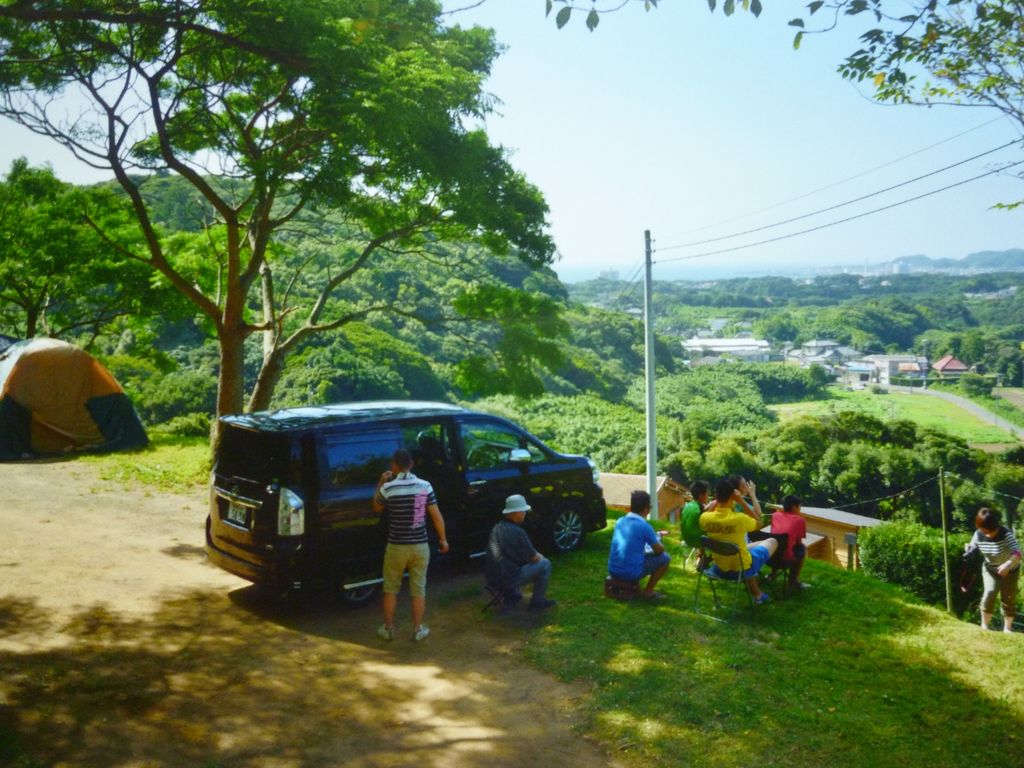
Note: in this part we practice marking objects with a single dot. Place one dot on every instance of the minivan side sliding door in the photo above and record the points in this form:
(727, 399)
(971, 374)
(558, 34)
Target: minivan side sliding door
(432, 446)
(351, 463)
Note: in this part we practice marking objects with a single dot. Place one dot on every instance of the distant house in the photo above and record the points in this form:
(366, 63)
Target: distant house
(748, 350)
(950, 366)
(854, 373)
(888, 367)
(825, 352)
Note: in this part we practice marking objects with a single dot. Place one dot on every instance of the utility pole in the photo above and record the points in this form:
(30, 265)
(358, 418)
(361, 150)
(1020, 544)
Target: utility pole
(945, 542)
(652, 442)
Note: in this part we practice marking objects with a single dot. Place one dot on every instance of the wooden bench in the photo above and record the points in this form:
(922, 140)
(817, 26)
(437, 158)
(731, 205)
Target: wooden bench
(815, 544)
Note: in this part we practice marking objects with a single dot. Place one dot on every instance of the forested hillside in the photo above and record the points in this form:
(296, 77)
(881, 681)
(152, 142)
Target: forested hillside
(978, 319)
(463, 324)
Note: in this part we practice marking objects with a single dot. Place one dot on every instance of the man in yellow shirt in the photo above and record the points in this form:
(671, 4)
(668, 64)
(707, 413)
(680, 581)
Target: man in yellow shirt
(730, 521)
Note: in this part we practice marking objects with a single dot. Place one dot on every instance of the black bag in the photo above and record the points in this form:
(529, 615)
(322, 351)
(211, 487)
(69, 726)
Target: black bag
(970, 563)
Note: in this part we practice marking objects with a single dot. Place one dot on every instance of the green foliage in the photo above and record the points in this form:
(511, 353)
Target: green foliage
(191, 425)
(58, 276)
(716, 397)
(910, 555)
(612, 435)
(976, 385)
(530, 327)
(349, 122)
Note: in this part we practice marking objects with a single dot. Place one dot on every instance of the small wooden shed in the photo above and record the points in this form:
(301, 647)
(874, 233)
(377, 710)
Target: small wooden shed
(833, 525)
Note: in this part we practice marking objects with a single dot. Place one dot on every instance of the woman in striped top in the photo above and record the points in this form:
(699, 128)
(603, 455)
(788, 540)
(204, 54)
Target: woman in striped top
(1001, 567)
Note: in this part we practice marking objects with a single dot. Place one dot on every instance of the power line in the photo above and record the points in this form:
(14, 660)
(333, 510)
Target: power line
(840, 205)
(896, 495)
(983, 488)
(840, 221)
(781, 203)
(630, 283)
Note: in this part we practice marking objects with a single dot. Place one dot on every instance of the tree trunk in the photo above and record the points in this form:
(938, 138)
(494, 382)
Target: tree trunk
(231, 379)
(266, 381)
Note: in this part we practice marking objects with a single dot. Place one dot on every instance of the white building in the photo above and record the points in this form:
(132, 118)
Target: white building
(888, 367)
(748, 350)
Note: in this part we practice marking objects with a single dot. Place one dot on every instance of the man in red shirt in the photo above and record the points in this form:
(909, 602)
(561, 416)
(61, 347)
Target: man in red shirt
(789, 522)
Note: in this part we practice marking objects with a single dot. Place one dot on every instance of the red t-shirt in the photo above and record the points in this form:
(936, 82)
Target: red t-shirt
(794, 526)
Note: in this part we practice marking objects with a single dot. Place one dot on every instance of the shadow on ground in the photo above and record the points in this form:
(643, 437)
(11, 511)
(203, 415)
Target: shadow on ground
(211, 681)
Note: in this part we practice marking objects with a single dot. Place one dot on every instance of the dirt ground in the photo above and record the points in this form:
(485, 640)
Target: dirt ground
(120, 646)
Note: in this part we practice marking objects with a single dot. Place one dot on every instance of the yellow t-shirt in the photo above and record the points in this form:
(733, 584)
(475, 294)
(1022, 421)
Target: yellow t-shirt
(725, 524)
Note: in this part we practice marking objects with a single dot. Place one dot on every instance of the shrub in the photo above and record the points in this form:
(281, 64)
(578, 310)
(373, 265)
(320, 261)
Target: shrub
(189, 425)
(910, 556)
(976, 385)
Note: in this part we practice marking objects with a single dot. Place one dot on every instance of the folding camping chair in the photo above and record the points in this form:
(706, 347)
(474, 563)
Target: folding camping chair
(706, 569)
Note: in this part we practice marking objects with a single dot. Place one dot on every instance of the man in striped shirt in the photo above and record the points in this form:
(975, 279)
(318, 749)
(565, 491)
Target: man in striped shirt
(1001, 567)
(407, 500)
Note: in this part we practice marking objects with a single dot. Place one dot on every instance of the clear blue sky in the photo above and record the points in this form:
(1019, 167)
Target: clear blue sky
(685, 122)
(678, 119)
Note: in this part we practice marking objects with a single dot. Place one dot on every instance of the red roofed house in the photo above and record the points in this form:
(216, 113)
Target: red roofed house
(950, 366)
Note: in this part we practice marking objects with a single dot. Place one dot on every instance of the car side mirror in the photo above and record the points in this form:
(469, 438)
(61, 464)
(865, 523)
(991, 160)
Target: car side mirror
(519, 456)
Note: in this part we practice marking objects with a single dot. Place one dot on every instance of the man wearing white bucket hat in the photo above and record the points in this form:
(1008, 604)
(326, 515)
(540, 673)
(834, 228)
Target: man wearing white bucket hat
(512, 560)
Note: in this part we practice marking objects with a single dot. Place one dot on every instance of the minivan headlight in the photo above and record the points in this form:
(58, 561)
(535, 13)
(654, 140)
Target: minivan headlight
(291, 520)
(595, 472)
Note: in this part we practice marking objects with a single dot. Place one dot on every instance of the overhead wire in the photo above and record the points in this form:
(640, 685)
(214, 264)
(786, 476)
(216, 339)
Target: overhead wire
(840, 182)
(968, 481)
(842, 204)
(841, 221)
(631, 283)
(896, 495)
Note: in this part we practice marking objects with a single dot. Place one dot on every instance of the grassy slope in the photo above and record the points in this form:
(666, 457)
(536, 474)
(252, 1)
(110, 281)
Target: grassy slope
(853, 672)
(927, 411)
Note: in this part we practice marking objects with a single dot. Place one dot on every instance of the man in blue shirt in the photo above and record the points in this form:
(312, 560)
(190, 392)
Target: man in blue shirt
(629, 559)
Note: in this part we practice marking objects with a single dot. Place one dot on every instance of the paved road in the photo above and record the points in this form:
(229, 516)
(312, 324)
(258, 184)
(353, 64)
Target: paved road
(982, 413)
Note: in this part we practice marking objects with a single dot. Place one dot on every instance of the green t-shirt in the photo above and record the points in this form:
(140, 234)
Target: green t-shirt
(689, 522)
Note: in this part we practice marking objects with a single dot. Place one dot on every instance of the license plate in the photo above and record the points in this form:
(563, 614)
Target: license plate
(238, 514)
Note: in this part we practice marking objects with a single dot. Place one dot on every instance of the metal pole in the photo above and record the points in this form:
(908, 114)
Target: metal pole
(945, 541)
(652, 442)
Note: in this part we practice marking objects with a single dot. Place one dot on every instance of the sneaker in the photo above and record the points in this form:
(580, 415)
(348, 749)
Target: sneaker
(421, 633)
(384, 632)
(543, 606)
(654, 596)
(763, 598)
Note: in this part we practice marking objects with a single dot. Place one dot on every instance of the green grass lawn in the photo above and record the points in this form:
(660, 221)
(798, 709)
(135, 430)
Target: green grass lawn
(921, 409)
(167, 463)
(853, 673)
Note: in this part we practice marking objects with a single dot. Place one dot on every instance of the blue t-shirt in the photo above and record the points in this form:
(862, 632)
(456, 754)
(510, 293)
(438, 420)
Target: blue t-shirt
(626, 558)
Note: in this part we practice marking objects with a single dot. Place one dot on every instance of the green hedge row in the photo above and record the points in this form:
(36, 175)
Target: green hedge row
(910, 555)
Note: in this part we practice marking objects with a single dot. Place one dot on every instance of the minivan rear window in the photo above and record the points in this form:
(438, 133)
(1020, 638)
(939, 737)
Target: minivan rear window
(246, 453)
(359, 458)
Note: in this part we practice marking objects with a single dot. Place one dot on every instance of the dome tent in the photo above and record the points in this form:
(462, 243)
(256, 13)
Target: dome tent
(55, 397)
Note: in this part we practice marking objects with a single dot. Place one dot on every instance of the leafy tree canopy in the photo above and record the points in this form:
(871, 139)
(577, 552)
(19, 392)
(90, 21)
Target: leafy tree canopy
(277, 113)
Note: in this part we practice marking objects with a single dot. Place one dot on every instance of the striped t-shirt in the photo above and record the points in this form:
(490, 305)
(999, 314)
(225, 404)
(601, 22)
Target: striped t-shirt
(998, 550)
(406, 499)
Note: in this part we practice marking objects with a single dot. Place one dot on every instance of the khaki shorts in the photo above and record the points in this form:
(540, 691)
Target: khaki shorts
(398, 558)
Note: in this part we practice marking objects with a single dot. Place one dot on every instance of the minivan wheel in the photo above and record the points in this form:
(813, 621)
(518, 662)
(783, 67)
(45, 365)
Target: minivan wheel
(567, 529)
(359, 596)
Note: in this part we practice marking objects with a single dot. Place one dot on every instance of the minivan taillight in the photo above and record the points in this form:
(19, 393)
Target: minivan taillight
(290, 518)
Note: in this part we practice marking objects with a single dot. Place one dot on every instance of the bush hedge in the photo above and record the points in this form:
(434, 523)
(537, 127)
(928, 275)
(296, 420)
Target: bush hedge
(910, 555)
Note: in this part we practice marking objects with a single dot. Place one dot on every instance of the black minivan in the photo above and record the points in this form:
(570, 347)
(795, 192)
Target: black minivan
(290, 505)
